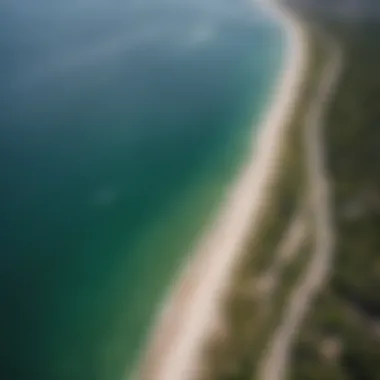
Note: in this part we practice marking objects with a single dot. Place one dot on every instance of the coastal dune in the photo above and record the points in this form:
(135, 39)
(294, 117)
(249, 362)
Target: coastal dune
(190, 313)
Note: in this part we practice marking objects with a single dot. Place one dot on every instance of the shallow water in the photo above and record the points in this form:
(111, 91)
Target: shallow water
(121, 125)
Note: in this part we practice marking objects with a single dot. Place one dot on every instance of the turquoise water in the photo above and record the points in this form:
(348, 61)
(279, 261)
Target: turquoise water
(122, 123)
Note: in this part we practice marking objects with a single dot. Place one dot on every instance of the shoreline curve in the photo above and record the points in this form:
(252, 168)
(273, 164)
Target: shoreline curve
(191, 309)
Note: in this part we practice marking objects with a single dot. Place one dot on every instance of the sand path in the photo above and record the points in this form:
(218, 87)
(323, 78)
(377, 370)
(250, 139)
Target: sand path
(191, 310)
(275, 363)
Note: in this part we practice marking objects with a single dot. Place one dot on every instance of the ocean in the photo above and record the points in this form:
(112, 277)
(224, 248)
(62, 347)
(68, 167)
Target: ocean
(122, 126)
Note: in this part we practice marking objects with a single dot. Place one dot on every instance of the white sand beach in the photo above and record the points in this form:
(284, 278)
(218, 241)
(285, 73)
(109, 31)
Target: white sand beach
(191, 310)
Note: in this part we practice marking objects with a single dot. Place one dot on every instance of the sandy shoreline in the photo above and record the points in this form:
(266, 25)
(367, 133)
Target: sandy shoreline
(191, 310)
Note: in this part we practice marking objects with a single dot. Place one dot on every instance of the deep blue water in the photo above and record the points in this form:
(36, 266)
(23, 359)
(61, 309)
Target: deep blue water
(121, 125)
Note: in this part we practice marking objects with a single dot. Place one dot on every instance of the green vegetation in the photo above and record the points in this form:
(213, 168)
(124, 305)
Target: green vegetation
(250, 316)
(341, 337)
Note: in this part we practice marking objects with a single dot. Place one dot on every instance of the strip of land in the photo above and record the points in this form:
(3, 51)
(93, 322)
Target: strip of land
(192, 311)
(339, 339)
(275, 361)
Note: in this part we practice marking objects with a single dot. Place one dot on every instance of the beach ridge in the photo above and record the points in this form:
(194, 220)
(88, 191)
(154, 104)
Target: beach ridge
(191, 309)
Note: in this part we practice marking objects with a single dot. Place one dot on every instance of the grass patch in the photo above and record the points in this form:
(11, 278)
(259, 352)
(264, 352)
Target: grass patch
(349, 308)
(248, 322)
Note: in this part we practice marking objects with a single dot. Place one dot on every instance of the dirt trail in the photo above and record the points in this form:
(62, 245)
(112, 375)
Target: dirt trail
(275, 361)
